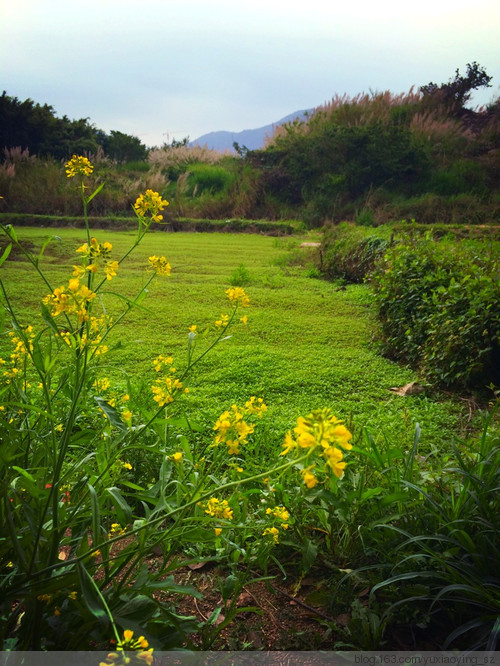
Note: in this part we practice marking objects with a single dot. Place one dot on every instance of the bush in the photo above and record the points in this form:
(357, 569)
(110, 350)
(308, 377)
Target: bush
(350, 253)
(438, 308)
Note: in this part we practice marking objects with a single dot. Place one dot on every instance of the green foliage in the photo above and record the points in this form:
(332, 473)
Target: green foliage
(335, 163)
(455, 94)
(240, 277)
(445, 561)
(207, 179)
(123, 147)
(438, 309)
(350, 253)
(35, 127)
(92, 461)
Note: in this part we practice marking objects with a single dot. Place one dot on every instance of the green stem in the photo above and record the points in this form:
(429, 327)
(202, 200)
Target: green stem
(163, 517)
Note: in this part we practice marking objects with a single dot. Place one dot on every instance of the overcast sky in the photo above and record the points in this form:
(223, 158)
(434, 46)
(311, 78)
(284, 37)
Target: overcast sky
(160, 69)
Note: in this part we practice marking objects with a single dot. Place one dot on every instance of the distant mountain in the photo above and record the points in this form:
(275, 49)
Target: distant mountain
(251, 138)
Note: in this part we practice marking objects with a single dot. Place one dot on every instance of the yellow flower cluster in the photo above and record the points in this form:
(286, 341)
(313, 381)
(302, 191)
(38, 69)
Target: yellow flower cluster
(273, 532)
(130, 644)
(162, 361)
(217, 508)
(102, 384)
(238, 295)
(322, 432)
(116, 530)
(22, 349)
(78, 165)
(150, 202)
(160, 265)
(256, 406)
(279, 513)
(165, 387)
(73, 299)
(91, 339)
(96, 254)
(231, 427)
(223, 321)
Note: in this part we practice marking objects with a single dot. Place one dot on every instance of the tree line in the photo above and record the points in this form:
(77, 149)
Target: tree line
(35, 127)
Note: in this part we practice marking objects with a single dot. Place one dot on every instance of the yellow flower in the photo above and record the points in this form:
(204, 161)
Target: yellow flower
(192, 329)
(278, 512)
(238, 295)
(217, 531)
(232, 429)
(177, 456)
(150, 202)
(78, 165)
(160, 265)
(126, 465)
(97, 254)
(164, 390)
(218, 508)
(309, 479)
(244, 319)
(333, 457)
(273, 532)
(73, 301)
(116, 530)
(102, 384)
(289, 443)
(256, 406)
(223, 321)
(128, 643)
(110, 269)
(160, 361)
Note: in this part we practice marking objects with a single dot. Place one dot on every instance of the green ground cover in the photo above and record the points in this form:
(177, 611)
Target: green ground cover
(307, 344)
(107, 479)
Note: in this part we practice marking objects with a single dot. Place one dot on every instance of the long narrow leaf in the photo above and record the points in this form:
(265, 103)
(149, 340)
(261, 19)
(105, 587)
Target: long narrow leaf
(91, 595)
(47, 241)
(6, 253)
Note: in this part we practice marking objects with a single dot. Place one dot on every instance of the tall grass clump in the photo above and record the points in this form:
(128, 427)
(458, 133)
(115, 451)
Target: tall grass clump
(445, 559)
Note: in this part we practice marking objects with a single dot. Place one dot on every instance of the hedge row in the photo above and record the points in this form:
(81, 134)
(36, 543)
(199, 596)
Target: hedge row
(120, 223)
(438, 302)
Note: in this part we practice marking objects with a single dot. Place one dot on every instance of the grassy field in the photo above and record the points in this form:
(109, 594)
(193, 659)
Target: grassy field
(307, 343)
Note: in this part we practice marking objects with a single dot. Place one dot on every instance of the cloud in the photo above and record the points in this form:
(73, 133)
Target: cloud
(159, 67)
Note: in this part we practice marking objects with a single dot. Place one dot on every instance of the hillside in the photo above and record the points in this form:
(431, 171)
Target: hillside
(251, 138)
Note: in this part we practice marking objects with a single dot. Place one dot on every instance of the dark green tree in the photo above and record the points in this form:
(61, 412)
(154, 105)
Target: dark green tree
(123, 147)
(455, 94)
(36, 127)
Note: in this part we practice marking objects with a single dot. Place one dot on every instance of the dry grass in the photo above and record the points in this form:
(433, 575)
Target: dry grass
(180, 155)
(362, 109)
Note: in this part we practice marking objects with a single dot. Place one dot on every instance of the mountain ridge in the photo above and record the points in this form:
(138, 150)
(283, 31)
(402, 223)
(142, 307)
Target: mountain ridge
(253, 139)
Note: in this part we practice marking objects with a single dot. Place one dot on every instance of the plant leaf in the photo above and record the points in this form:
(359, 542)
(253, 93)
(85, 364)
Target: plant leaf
(112, 414)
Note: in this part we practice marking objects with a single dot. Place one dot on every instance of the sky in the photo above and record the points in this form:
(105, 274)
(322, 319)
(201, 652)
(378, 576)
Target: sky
(163, 69)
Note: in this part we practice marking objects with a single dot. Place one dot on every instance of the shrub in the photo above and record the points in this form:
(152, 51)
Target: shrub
(350, 253)
(437, 305)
